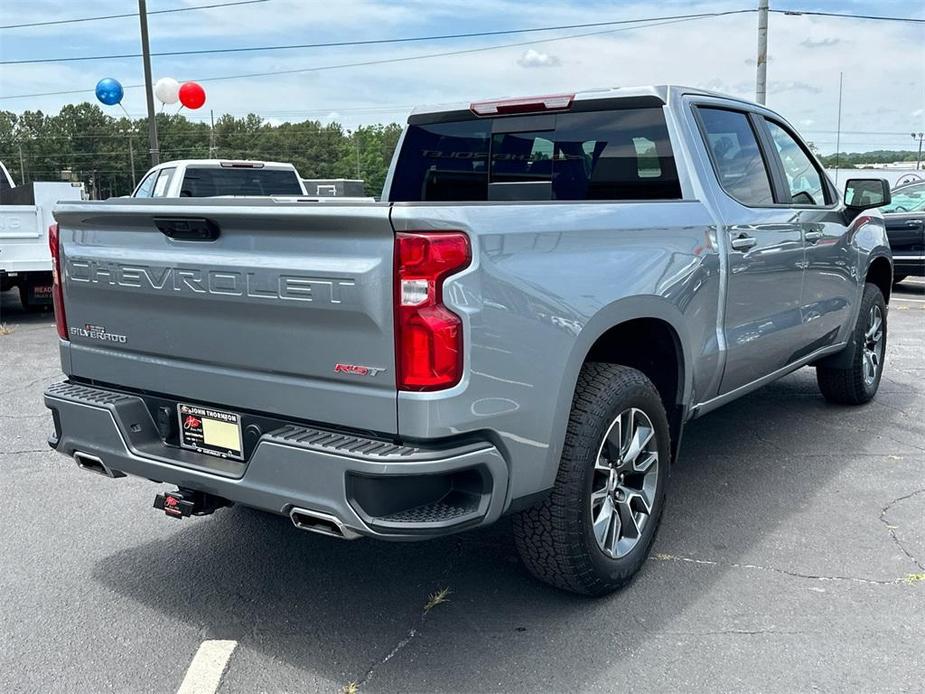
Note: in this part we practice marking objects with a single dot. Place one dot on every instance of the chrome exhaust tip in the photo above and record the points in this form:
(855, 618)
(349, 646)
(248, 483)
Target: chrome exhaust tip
(321, 523)
(92, 463)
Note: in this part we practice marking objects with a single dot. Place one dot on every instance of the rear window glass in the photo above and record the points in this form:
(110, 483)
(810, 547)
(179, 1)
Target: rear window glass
(202, 182)
(737, 157)
(599, 155)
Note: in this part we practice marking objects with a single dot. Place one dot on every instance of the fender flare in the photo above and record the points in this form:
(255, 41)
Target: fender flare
(610, 316)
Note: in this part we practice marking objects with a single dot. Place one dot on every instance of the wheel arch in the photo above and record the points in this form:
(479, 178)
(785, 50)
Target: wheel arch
(880, 273)
(646, 333)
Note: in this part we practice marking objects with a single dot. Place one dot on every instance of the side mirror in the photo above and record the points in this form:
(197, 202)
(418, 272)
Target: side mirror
(865, 193)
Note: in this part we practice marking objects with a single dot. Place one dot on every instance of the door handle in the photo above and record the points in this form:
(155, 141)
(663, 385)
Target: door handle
(743, 242)
(914, 223)
(812, 236)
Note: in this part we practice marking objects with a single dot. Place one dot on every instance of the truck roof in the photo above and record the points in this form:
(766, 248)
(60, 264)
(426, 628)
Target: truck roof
(662, 92)
(227, 162)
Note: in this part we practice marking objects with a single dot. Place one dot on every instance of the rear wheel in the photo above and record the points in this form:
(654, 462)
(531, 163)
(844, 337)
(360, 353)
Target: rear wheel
(859, 382)
(593, 532)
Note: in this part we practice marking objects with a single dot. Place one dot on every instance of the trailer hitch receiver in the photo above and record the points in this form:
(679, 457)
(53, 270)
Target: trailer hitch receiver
(181, 503)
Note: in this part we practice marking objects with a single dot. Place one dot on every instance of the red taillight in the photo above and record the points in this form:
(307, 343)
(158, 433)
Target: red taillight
(529, 104)
(57, 290)
(428, 336)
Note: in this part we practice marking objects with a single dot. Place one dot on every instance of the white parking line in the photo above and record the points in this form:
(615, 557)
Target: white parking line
(902, 298)
(205, 672)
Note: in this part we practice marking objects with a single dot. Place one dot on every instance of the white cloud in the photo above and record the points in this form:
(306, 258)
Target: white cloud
(820, 43)
(534, 58)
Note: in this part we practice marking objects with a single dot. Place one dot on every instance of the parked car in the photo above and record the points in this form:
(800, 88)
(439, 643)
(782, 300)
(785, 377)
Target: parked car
(25, 214)
(551, 289)
(203, 178)
(905, 227)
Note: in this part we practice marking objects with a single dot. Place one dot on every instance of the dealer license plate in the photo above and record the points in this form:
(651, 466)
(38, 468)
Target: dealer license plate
(210, 431)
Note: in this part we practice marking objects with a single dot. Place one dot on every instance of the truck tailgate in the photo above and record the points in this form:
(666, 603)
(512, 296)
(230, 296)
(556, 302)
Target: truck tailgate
(257, 319)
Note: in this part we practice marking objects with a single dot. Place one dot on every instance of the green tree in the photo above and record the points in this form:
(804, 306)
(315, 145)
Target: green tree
(84, 143)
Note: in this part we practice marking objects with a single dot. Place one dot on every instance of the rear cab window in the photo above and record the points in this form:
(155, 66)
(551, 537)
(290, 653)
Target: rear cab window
(163, 182)
(211, 181)
(614, 154)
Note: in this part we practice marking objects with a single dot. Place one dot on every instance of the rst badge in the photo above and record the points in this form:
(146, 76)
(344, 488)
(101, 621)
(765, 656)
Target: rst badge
(357, 370)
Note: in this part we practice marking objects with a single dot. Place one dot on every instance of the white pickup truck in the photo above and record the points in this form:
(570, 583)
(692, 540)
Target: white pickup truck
(25, 214)
(206, 178)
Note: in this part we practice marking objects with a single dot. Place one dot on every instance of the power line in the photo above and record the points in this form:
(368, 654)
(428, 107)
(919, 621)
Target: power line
(130, 14)
(403, 59)
(845, 15)
(372, 42)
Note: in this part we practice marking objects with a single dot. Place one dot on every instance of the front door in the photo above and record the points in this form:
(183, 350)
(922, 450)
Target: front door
(829, 282)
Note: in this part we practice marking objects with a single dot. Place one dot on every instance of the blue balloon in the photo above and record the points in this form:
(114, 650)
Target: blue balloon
(109, 91)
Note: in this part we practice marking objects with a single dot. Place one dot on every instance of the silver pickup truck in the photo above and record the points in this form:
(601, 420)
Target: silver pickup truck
(551, 288)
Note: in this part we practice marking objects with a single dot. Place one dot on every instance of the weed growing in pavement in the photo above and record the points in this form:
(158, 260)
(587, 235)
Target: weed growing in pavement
(435, 599)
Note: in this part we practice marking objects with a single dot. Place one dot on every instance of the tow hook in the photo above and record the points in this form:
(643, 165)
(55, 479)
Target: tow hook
(181, 503)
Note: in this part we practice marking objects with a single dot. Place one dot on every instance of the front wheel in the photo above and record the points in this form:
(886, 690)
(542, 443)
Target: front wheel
(859, 382)
(594, 530)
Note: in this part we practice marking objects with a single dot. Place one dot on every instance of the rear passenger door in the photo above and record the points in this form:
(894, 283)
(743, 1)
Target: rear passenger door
(762, 324)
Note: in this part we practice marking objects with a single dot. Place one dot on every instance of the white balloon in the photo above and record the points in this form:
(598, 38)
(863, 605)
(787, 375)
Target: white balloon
(167, 90)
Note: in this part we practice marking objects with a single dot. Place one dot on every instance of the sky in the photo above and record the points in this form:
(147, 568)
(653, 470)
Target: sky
(883, 62)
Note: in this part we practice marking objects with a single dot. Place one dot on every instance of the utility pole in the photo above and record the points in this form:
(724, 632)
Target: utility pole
(761, 82)
(22, 169)
(149, 92)
(841, 78)
(131, 158)
(356, 139)
(916, 136)
(212, 134)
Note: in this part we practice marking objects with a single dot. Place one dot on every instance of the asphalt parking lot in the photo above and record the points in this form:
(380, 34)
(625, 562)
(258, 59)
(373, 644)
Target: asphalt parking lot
(791, 557)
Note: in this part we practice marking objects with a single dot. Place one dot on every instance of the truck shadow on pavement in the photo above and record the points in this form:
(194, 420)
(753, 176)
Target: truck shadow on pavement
(332, 611)
(12, 312)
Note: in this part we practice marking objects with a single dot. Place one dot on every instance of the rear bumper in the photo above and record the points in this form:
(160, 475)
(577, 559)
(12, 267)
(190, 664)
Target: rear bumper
(373, 487)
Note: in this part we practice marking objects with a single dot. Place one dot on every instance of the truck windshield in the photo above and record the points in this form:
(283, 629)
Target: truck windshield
(204, 182)
(595, 155)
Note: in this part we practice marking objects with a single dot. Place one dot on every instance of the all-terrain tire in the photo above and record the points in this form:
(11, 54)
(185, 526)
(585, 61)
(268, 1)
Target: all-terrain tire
(556, 539)
(850, 386)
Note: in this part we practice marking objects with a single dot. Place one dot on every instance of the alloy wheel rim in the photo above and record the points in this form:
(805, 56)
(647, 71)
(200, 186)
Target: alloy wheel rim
(872, 354)
(625, 482)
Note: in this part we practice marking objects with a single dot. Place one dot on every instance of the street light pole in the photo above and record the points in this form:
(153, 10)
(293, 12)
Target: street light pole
(761, 82)
(919, 137)
(149, 92)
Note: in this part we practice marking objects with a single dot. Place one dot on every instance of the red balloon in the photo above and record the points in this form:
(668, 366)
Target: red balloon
(192, 95)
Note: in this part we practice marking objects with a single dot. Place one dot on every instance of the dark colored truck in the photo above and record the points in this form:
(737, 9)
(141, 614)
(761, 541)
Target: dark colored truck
(905, 229)
(551, 288)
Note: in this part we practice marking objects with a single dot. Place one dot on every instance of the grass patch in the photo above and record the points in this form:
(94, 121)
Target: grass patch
(912, 579)
(6, 329)
(350, 688)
